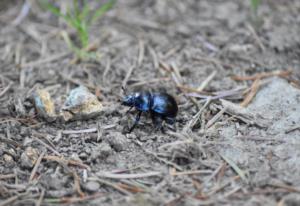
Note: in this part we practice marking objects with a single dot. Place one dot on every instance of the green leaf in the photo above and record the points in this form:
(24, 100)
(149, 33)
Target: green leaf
(85, 12)
(254, 5)
(102, 10)
(79, 17)
(54, 10)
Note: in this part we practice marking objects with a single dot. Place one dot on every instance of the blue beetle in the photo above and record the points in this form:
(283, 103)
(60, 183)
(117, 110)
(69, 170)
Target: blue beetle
(162, 107)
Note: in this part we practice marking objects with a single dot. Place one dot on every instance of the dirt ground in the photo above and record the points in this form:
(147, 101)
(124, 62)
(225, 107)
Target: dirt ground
(221, 153)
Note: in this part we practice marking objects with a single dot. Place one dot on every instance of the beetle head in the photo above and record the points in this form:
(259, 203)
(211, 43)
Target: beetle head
(129, 100)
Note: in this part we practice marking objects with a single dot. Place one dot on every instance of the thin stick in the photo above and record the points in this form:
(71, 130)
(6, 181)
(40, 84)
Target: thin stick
(61, 160)
(232, 191)
(24, 12)
(251, 95)
(256, 37)
(37, 163)
(90, 130)
(262, 75)
(115, 186)
(8, 176)
(215, 118)
(40, 200)
(77, 184)
(107, 68)
(164, 161)
(158, 158)
(154, 57)
(128, 176)
(223, 186)
(195, 118)
(297, 127)
(214, 173)
(141, 52)
(194, 172)
(206, 81)
(177, 73)
(5, 89)
(70, 200)
(47, 60)
(10, 200)
(47, 146)
(234, 166)
(130, 70)
(172, 51)
(150, 81)
(287, 187)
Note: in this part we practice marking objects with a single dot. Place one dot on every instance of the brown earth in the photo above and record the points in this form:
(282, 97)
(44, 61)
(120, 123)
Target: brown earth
(248, 156)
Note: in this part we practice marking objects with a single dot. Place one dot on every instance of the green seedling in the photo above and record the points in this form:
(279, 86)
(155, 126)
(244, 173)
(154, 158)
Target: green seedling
(80, 17)
(254, 6)
(256, 20)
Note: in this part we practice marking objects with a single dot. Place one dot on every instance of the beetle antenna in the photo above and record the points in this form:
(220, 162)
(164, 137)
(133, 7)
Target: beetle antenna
(124, 90)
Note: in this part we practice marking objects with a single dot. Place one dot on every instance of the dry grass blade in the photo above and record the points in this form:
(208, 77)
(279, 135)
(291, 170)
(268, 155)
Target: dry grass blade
(12, 199)
(77, 184)
(105, 182)
(216, 117)
(194, 172)
(262, 75)
(252, 93)
(297, 127)
(141, 52)
(128, 176)
(107, 69)
(196, 117)
(243, 114)
(138, 84)
(133, 189)
(222, 186)
(8, 176)
(154, 57)
(53, 58)
(73, 200)
(256, 37)
(37, 163)
(177, 75)
(6, 89)
(130, 70)
(286, 187)
(40, 200)
(206, 81)
(47, 146)
(61, 160)
(90, 130)
(22, 15)
(234, 166)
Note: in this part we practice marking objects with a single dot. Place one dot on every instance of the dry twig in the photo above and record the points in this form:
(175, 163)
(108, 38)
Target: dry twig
(37, 163)
(127, 176)
(252, 93)
(61, 160)
(262, 75)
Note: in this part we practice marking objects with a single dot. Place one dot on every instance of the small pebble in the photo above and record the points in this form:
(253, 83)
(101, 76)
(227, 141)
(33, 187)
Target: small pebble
(117, 141)
(81, 104)
(29, 157)
(102, 151)
(92, 186)
(7, 158)
(44, 105)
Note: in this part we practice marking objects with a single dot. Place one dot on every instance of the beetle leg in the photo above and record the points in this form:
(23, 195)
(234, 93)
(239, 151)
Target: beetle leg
(128, 110)
(157, 121)
(137, 119)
